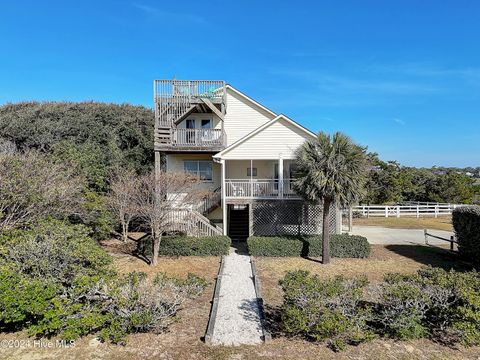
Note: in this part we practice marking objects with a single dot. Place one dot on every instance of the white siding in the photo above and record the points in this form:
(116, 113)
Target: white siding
(280, 137)
(242, 117)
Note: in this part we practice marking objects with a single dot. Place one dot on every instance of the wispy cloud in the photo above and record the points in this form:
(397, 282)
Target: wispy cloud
(170, 16)
(347, 84)
(428, 70)
(399, 121)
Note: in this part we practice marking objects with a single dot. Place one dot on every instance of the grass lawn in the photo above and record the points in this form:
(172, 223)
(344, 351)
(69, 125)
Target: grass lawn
(183, 340)
(440, 223)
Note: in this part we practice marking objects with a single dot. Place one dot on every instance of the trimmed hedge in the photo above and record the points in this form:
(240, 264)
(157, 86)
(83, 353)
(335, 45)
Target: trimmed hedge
(187, 246)
(466, 222)
(341, 246)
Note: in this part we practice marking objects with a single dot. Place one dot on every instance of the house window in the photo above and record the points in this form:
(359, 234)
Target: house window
(199, 168)
(251, 171)
(207, 124)
(190, 124)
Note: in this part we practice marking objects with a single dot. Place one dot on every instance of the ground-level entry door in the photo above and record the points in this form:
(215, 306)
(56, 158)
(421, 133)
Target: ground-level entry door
(238, 222)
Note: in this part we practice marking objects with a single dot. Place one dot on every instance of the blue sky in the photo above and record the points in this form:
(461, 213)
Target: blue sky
(402, 77)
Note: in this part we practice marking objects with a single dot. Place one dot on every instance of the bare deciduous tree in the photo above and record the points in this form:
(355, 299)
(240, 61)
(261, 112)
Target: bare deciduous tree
(160, 200)
(122, 197)
(32, 187)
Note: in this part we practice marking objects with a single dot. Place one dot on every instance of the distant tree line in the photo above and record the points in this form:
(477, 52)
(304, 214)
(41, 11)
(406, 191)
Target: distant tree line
(389, 182)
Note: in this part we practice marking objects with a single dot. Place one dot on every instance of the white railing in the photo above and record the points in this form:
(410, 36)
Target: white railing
(192, 223)
(259, 188)
(434, 210)
(198, 137)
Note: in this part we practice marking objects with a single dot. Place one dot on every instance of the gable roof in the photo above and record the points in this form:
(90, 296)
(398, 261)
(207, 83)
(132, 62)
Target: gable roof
(305, 131)
(249, 99)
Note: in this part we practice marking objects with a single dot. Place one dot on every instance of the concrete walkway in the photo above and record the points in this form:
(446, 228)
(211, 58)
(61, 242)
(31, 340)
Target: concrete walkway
(389, 236)
(238, 316)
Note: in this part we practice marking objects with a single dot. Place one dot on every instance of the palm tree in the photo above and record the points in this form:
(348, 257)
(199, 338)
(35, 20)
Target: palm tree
(330, 169)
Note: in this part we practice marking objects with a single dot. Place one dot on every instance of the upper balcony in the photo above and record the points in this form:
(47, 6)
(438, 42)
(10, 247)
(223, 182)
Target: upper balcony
(175, 100)
(195, 140)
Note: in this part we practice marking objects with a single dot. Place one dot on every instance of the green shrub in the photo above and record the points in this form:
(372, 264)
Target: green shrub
(466, 222)
(187, 246)
(23, 300)
(322, 309)
(435, 303)
(54, 251)
(56, 280)
(341, 245)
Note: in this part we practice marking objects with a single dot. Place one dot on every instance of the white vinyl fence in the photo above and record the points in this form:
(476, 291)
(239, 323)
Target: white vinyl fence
(410, 210)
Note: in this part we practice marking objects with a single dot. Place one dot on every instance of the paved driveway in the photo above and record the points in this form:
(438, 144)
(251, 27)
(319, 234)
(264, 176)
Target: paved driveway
(386, 236)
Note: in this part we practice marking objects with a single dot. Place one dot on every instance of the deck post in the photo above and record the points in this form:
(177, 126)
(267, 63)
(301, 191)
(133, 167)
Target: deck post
(280, 176)
(224, 205)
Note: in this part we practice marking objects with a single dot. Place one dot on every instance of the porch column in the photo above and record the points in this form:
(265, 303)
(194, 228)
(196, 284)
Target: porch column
(224, 205)
(280, 175)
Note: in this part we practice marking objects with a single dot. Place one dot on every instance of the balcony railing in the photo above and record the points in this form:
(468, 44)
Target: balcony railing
(211, 89)
(259, 188)
(198, 138)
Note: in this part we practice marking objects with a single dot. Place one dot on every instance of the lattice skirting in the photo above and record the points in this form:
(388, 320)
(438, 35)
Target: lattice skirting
(289, 217)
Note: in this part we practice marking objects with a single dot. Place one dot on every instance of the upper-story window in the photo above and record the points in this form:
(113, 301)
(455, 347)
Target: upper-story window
(206, 123)
(199, 168)
(190, 124)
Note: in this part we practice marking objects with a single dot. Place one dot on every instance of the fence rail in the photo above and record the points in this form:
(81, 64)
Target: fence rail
(452, 240)
(434, 210)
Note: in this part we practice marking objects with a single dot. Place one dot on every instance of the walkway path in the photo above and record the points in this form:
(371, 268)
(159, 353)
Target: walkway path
(238, 320)
(390, 236)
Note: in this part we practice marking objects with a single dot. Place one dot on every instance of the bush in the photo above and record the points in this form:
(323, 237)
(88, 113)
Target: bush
(141, 305)
(435, 303)
(322, 309)
(341, 245)
(54, 251)
(95, 135)
(187, 246)
(466, 222)
(33, 187)
(56, 280)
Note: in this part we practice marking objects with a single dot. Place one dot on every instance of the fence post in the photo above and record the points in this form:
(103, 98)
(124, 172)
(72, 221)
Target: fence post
(426, 236)
(386, 211)
(398, 211)
(350, 219)
(418, 211)
(436, 211)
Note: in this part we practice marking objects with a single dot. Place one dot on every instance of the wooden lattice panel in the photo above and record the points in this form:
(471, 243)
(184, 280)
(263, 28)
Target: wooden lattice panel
(289, 217)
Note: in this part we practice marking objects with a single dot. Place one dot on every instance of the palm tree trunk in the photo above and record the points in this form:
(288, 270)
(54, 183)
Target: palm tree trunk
(326, 232)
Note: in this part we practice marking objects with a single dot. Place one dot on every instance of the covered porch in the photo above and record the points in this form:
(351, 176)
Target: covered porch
(259, 179)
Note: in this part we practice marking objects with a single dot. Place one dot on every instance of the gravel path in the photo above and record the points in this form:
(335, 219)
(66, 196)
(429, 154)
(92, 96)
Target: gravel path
(238, 320)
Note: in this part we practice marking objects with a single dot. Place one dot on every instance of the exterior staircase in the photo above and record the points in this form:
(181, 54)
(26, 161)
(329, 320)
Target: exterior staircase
(192, 223)
(238, 228)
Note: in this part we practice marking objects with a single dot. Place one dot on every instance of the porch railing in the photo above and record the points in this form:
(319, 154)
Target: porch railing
(259, 188)
(198, 138)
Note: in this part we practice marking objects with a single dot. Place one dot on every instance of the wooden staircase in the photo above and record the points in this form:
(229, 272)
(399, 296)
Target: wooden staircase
(175, 100)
